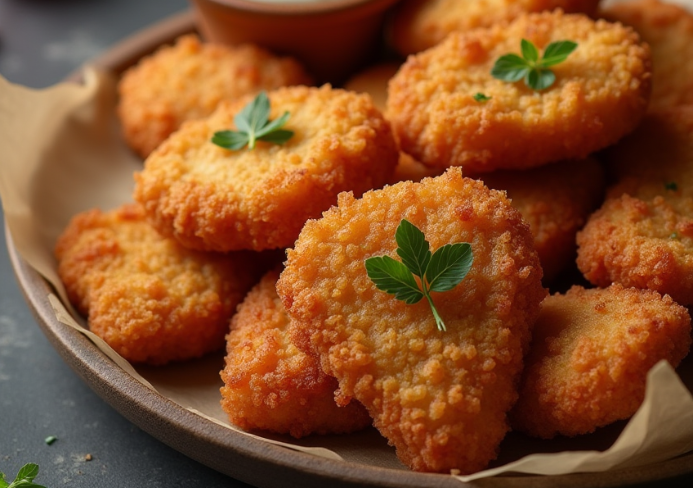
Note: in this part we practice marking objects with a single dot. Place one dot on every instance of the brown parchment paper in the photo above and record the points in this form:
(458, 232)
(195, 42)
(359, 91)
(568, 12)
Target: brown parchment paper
(61, 153)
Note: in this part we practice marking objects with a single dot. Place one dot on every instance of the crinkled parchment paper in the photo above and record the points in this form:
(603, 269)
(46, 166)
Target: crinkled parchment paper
(61, 153)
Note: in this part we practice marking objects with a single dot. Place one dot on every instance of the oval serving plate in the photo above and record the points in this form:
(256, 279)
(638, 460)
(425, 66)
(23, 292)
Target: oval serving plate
(242, 457)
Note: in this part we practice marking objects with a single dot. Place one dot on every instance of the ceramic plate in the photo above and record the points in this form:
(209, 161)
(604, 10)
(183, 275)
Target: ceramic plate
(244, 458)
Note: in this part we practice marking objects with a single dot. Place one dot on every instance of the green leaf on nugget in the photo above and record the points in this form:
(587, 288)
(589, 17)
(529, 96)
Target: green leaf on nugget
(534, 71)
(253, 125)
(394, 278)
(440, 271)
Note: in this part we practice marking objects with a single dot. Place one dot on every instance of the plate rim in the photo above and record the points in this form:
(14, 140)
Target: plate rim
(246, 458)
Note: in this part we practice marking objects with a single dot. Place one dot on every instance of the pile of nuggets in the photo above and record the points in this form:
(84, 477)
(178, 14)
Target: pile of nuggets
(263, 250)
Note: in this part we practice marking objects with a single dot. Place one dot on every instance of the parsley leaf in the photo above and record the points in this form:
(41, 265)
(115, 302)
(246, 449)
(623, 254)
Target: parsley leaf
(534, 70)
(253, 125)
(24, 479)
(671, 185)
(440, 271)
(480, 97)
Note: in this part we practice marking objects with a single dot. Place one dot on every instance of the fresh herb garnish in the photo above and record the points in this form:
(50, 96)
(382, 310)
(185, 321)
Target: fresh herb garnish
(480, 97)
(440, 271)
(671, 186)
(24, 479)
(254, 125)
(535, 72)
(50, 439)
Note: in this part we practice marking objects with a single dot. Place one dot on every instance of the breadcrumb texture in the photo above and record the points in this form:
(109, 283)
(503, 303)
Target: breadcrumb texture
(420, 24)
(600, 94)
(439, 397)
(555, 200)
(149, 298)
(187, 80)
(270, 384)
(642, 236)
(668, 29)
(590, 355)
(211, 198)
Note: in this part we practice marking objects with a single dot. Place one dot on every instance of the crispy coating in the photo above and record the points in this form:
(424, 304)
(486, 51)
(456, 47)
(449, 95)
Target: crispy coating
(270, 384)
(439, 397)
(212, 198)
(187, 80)
(555, 200)
(600, 94)
(591, 351)
(668, 29)
(149, 298)
(640, 243)
(420, 24)
(642, 236)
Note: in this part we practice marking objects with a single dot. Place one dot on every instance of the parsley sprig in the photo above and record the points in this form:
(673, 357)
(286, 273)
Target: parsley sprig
(529, 66)
(440, 271)
(24, 479)
(253, 125)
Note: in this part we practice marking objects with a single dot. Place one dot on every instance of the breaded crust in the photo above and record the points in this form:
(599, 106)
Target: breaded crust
(668, 29)
(212, 198)
(270, 384)
(187, 80)
(420, 24)
(555, 200)
(149, 298)
(640, 243)
(600, 94)
(439, 397)
(642, 236)
(591, 351)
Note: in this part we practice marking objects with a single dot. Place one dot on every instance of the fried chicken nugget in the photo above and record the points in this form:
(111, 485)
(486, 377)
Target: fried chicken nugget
(212, 198)
(668, 29)
(600, 94)
(642, 236)
(149, 298)
(270, 384)
(187, 80)
(421, 24)
(439, 397)
(555, 200)
(590, 355)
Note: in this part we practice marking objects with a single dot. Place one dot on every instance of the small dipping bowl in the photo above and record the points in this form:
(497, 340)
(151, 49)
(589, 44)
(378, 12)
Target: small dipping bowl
(332, 38)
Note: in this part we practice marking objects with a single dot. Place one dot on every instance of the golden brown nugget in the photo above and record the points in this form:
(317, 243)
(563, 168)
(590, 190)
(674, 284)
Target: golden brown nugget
(420, 24)
(212, 198)
(270, 384)
(149, 298)
(439, 397)
(556, 201)
(187, 80)
(668, 29)
(590, 355)
(640, 243)
(642, 236)
(600, 94)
